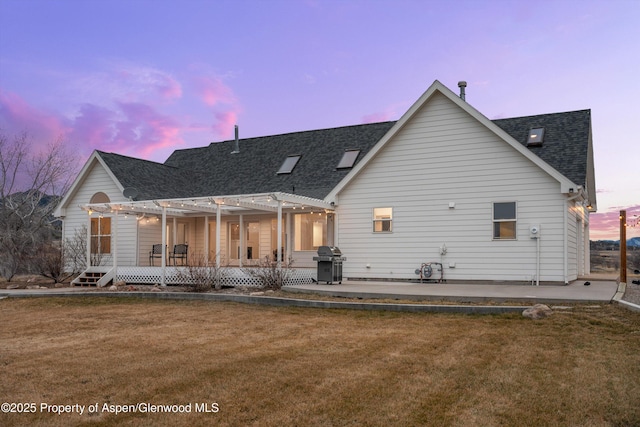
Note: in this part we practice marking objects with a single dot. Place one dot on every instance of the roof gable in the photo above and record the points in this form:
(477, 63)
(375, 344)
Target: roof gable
(439, 88)
(94, 159)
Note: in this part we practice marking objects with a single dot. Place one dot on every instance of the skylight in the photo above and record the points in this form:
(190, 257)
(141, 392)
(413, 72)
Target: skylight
(348, 159)
(288, 164)
(536, 136)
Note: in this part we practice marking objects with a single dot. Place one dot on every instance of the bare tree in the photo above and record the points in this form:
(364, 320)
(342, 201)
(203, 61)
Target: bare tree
(31, 184)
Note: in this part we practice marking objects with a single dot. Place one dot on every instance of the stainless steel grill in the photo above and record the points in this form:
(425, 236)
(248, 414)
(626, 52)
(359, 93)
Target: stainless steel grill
(329, 264)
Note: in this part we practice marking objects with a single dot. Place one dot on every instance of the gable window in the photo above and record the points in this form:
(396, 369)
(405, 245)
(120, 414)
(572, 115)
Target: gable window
(348, 159)
(504, 221)
(288, 164)
(382, 220)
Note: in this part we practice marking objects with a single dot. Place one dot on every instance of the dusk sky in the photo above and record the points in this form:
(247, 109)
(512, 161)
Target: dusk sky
(145, 77)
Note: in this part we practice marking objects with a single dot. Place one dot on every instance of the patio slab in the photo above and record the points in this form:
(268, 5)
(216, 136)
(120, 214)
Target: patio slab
(600, 291)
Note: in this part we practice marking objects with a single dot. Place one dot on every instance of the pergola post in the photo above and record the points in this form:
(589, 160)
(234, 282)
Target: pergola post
(218, 220)
(279, 248)
(164, 246)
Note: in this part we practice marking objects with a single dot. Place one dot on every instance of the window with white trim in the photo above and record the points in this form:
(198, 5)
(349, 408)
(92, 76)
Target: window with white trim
(504, 221)
(382, 220)
(101, 235)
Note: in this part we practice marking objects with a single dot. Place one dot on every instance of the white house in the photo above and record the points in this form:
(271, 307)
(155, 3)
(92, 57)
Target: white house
(444, 184)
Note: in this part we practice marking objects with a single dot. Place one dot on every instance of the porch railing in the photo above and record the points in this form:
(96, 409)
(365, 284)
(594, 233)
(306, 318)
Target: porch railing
(233, 276)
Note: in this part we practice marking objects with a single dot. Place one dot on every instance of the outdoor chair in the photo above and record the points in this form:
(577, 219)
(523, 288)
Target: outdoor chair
(179, 252)
(155, 252)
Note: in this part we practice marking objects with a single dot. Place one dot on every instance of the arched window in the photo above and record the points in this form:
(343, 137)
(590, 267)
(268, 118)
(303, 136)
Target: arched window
(100, 197)
(100, 231)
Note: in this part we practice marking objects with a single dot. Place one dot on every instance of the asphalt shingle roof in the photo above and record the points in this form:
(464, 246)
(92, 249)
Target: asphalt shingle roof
(214, 170)
(566, 140)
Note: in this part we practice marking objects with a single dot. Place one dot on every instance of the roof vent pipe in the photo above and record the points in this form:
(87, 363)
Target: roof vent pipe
(237, 148)
(462, 85)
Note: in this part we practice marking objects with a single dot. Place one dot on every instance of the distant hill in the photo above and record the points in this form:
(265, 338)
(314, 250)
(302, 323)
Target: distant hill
(613, 245)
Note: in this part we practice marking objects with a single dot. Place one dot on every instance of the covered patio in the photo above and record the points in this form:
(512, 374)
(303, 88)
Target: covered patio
(228, 231)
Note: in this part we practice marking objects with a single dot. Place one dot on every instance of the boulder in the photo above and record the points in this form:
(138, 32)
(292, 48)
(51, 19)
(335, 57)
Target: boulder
(538, 311)
(121, 283)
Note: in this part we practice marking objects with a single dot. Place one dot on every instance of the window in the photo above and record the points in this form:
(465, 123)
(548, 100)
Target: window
(310, 231)
(100, 235)
(348, 159)
(382, 220)
(288, 164)
(536, 136)
(504, 221)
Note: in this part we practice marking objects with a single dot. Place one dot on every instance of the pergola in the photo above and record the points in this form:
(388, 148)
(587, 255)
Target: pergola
(242, 204)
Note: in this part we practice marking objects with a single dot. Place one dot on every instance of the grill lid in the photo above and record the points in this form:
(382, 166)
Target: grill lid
(329, 251)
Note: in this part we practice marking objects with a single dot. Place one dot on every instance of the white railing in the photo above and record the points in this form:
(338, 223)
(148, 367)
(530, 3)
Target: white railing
(232, 276)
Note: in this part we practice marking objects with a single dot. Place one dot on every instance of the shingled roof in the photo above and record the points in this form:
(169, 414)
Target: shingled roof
(566, 140)
(215, 170)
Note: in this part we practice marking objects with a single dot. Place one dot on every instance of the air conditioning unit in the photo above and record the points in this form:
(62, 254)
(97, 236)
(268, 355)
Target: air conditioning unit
(534, 231)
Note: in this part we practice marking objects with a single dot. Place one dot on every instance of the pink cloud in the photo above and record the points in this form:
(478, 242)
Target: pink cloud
(225, 123)
(18, 116)
(212, 91)
(135, 83)
(93, 126)
(143, 130)
(132, 110)
(377, 117)
(606, 225)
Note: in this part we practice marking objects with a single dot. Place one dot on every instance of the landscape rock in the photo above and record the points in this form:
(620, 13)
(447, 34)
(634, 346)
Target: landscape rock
(60, 285)
(113, 288)
(14, 286)
(256, 294)
(538, 311)
(120, 283)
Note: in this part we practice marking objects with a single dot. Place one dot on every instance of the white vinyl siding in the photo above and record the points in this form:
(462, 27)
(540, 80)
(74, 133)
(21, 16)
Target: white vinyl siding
(98, 180)
(443, 155)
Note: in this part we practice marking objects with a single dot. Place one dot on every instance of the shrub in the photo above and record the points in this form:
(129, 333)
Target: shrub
(269, 274)
(201, 274)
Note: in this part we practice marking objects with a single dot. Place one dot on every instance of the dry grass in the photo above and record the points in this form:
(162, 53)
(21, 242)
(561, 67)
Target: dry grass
(267, 366)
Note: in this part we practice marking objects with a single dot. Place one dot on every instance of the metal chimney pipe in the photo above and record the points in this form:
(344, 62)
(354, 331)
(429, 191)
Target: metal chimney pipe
(237, 147)
(462, 85)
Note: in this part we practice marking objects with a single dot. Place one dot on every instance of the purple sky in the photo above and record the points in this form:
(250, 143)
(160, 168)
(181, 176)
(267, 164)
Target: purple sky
(145, 77)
